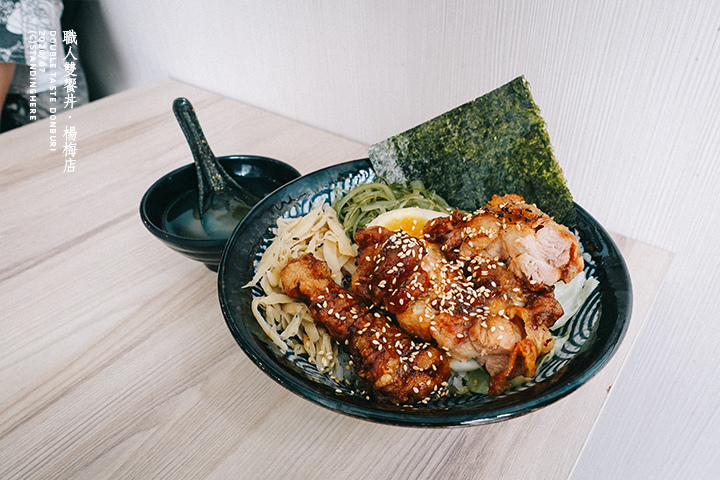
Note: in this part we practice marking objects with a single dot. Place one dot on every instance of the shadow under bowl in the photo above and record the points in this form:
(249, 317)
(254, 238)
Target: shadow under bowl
(260, 175)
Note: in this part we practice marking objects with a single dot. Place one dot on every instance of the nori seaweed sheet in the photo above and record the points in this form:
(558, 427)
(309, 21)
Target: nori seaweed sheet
(493, 145)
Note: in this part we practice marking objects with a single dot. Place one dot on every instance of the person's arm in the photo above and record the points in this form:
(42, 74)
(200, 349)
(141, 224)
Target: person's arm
(6, 75)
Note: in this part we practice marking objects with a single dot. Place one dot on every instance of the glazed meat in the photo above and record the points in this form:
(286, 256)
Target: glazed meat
(392, 365)
(388, 268)
(536, 249)
(480, 286)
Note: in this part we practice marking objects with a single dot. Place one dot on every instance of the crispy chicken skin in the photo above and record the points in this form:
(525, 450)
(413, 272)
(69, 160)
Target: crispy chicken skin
(391, 364)
(480, 285)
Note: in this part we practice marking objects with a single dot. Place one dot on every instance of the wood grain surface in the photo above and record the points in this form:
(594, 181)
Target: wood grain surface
(115, 359)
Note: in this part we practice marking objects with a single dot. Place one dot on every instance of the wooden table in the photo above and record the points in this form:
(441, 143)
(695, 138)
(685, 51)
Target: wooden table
(115, 361)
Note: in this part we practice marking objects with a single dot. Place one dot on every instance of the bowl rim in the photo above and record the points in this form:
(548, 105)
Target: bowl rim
(615, 287)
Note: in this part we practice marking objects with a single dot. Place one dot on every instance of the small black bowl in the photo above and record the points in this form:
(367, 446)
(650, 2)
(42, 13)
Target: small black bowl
(259, 175)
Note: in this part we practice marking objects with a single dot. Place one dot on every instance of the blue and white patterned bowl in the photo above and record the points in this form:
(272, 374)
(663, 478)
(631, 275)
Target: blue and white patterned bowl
(594, 332)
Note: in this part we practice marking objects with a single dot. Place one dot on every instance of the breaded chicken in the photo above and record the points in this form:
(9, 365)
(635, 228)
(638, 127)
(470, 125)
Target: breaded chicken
(535, 247)
(479, 286)
(393, 366)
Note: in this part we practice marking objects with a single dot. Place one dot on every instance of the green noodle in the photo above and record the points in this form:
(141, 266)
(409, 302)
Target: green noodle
(364, 203)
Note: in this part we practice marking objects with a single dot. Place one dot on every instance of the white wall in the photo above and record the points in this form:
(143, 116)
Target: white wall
(630, 92)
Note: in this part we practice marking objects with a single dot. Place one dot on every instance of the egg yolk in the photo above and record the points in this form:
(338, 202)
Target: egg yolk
(411, 225)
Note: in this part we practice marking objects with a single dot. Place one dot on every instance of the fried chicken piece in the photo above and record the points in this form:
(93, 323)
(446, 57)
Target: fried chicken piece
(473, 311)
(508, 342)
(391, 364)
(388, 268)
(505, 328)
(480, 285)
(534, 246)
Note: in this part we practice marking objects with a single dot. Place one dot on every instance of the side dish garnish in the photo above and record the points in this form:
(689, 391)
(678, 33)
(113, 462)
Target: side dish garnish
(365, 202)
(493, 145)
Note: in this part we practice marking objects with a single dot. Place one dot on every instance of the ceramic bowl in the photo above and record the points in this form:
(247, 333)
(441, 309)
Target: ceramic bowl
(260, 175)
(593, 333)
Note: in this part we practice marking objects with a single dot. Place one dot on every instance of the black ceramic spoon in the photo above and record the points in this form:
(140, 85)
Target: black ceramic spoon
(221, 201)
